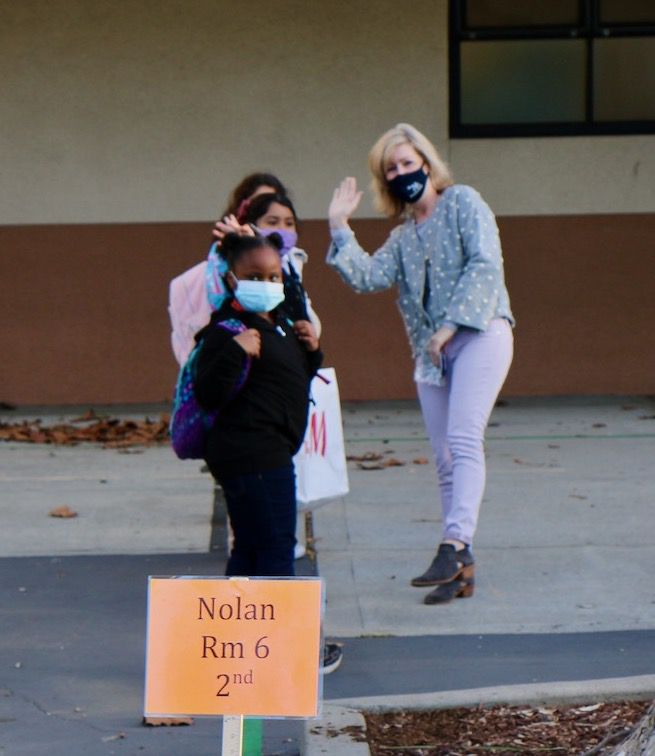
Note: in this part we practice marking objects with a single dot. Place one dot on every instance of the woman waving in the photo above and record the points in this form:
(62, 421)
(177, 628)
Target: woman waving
(445, 260)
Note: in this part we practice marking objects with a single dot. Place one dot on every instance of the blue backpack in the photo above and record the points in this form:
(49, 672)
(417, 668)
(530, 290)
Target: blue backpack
(190, 423)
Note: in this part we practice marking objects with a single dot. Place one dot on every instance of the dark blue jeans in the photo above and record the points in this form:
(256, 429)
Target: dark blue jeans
(262, 511)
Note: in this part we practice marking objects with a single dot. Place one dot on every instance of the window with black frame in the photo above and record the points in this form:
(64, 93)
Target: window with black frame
(552, 67)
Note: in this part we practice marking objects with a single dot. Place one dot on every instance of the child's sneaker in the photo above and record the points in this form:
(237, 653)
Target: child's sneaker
(332, 656)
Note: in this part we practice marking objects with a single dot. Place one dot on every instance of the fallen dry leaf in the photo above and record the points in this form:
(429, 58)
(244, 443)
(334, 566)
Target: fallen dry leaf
(380, 465)
(117, 736)
(534, 464)
(64, 511)
(516, 730)
(167, 721)
(366, 457)
(110, 432)
(90, 414)
(421, 461)
(592, 707)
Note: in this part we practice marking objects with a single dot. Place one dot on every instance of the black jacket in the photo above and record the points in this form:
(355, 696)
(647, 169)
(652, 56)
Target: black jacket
(260, 426)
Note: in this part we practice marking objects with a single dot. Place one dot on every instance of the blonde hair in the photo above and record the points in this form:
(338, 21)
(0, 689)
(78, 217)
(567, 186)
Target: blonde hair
(403, 133)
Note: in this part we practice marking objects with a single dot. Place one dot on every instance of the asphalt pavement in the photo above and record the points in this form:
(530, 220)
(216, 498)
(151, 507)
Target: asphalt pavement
(564, 602)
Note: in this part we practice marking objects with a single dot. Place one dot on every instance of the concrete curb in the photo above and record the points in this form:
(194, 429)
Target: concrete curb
(608, 689)
(342, 720)
(335, 732)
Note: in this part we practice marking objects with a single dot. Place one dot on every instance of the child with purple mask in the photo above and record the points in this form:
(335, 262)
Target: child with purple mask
(274, 213)
(199, 291)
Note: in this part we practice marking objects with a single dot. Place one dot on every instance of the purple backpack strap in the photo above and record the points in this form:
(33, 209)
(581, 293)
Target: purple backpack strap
(190, 423)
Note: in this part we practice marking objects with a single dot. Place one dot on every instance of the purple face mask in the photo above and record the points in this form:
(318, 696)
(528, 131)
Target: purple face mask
(288, 235)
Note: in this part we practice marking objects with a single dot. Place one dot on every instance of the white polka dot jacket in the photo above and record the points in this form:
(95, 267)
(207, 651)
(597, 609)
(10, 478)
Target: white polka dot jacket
(447, 269)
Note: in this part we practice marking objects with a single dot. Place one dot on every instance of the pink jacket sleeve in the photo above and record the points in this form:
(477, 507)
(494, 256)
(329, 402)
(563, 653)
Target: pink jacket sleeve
(188, 308)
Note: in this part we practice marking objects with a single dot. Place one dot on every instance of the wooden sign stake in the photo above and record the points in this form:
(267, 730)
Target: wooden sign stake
(232, 736)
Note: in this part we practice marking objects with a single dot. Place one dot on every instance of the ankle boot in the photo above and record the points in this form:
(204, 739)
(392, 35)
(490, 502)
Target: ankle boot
(446, 566)
(461, 587)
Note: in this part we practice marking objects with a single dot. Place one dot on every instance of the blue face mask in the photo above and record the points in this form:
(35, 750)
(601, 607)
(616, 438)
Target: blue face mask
(409, 187)
(259, 296)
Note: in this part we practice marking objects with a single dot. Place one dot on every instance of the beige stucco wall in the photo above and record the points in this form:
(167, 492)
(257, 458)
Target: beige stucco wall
(560, 175)
(153, 110)
(132, 112)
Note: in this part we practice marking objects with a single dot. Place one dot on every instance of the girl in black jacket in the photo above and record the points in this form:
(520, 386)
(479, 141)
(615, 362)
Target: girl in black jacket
(261, 421)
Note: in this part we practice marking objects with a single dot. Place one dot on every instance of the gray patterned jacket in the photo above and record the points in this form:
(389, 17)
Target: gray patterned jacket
(458, 252)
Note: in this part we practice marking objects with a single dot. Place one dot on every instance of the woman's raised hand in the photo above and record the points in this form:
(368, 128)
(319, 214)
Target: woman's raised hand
(230, 225)
(344, 202)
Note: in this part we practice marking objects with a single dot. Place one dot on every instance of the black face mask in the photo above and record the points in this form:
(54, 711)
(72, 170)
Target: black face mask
(409, 187)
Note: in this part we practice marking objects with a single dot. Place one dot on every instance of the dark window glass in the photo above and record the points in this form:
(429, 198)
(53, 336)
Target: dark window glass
(627, 12)
(541, 67)
(624, 79)
(512, 13)
(525, 81)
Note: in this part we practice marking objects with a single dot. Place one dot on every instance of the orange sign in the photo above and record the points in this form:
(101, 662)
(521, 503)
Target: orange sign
(220, 646)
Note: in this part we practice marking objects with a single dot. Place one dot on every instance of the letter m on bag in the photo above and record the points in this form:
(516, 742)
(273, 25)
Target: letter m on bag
(316, 441)
(321, 472)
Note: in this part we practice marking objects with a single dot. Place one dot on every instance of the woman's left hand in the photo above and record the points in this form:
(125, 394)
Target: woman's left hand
(306, 334)
(344, 202)
(438, 341)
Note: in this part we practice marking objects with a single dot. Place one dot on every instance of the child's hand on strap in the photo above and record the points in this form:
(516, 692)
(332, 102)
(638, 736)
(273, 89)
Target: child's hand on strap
(306, 334)
(250, 341)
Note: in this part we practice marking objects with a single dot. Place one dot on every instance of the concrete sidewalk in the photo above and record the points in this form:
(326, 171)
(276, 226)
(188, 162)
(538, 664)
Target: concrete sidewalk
(566, 539)
(564, 597)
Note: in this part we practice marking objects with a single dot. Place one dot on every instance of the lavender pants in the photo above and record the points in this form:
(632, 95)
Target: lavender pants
(456, 415)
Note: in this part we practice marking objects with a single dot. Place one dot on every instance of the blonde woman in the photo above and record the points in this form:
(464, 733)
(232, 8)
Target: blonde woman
(446, 261)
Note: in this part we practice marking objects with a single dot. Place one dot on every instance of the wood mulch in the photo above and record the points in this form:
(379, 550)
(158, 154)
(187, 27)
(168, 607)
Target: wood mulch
(503, 730)
(111, 432)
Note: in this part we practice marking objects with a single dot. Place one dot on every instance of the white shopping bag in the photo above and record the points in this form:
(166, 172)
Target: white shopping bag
(321, 471)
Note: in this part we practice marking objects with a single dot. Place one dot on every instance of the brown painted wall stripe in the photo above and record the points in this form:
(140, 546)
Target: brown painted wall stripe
(84, 316)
